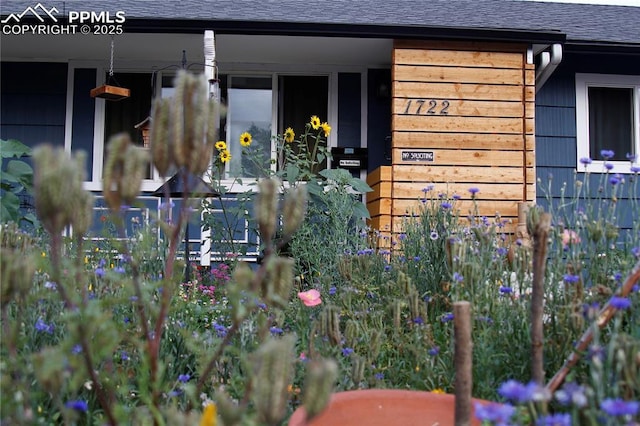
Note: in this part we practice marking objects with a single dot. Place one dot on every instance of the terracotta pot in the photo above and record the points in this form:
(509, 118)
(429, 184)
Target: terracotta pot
(384, 407)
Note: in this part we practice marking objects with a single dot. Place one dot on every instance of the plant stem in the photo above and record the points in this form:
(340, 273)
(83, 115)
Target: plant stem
(540, 236)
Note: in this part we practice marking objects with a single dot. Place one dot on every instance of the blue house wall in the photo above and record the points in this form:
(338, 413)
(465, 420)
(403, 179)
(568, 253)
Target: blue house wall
(556, 140)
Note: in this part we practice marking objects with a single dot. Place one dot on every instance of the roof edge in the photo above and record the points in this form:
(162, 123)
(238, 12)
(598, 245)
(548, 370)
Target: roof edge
(344, 30)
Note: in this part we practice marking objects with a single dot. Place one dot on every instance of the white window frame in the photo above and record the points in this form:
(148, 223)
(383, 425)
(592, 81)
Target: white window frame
(583, 82)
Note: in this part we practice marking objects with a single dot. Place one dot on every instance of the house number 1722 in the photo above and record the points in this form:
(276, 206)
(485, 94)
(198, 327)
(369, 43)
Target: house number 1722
(426, 107)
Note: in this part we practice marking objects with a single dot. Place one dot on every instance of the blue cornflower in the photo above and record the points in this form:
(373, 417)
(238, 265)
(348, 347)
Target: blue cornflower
(221, 330)
(559, 419)
(620, 407)
(427, 188)
(494, 412)
(418, 320)
(379, 376)
(505, 290)
(571, 279)
(447, 317)
(518, 392)
(434, 351)
(635, 169)
(76, 349)
(124, 356)
(458, 277)
(402, 237)
(620, 303)
(585, 160)
(416, 258)
(631, 157)
(276, 330)
(50, 285)
(446, 205)
(174, 393)
(485, 319)
(635, 251)
(502, 251)
(607, 153)
(347, 351)
(456, 197)
(615, 179)
(78, 405)
(184, 378)
(473, 190)
(572, 394)
(608, 166)
(387, 268)
(44, 327)
(102, 263)
(119, 270)
(100, 272)
(617, 277)
(332, 291)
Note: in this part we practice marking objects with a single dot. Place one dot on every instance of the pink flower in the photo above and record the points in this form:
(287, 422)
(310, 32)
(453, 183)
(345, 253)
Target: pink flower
(310, 298)
(569, 237)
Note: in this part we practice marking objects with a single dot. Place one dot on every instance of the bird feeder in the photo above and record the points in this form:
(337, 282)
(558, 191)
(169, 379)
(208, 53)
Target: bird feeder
(108, 91)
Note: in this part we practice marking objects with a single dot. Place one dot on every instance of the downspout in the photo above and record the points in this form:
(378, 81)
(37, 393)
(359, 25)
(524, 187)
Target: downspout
(548, 64)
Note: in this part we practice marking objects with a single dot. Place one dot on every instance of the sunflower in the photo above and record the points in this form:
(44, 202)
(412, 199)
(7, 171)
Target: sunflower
(245, 139)
(315, 122)
(327, 129)
(221, 145)
(289, 135)
(225, 156)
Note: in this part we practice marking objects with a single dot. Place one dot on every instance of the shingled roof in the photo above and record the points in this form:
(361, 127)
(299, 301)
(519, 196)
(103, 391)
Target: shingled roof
(581, 23)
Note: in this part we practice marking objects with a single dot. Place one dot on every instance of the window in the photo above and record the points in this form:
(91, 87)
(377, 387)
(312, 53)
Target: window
(607, 118)
(251, 102)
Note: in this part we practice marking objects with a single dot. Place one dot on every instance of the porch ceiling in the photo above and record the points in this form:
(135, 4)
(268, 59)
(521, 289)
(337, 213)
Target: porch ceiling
(167, 48)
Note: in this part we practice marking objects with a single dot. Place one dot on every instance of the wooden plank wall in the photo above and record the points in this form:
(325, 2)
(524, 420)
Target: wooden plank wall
(470, 106)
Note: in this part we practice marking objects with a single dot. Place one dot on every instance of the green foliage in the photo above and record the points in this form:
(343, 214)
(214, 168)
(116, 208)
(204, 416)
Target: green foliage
(16, 178)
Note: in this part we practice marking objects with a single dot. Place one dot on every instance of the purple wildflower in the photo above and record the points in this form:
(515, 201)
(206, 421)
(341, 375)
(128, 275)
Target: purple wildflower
(505, 290)
(608, 166)
(571, 279)
(473, 190)
(519, 392)
(620, 303)
(615, 179)
(379, 376)
(620, 407)
(184, 378)
(434, 351)
(572, 394)
(416, 258)
(607, 154)
(559, 419)
(44, 327)
(635, 169)
(446, 205)
(76, 349)
(347, 351)
(635, 251)
(447, 317)
(100, 272)
(276, 330)
(124, 356)
(494, 412)
(78, 405)
(585, 160)
(458, 277)
(631, 157)
(418, 320)
(427, 188)
(332, 291)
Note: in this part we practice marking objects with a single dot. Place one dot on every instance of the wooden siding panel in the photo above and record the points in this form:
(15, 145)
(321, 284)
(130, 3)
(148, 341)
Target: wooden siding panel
(458, 58)
(464, 108)
(458, 91)
(449, 140)
(430, 74)
(487, 191)
(444, 157)
(458, 124)
(458, 173)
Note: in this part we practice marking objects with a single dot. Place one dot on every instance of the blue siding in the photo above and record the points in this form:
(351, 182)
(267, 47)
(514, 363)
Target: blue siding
(556, 144)
(33, 100)
(83, 114)
(349, 110)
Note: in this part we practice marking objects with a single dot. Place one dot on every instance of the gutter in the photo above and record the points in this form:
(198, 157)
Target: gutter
(548, 64)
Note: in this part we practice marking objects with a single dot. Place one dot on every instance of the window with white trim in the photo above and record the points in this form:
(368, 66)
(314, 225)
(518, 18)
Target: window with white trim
(607, 120)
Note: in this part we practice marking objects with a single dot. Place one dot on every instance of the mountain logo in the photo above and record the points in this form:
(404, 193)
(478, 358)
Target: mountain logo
(39, 11)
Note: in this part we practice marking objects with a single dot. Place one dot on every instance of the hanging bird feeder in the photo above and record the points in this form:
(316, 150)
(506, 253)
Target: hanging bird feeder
(110, 91)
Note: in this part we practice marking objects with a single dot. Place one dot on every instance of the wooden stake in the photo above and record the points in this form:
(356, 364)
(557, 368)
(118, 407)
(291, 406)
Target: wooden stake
(540, 235)
(462, 362)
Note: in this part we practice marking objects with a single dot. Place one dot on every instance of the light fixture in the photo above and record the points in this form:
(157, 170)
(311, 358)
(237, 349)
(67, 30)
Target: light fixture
(108, 91)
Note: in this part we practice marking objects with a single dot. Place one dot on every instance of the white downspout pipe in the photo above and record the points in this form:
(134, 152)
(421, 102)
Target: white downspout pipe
(548, 64)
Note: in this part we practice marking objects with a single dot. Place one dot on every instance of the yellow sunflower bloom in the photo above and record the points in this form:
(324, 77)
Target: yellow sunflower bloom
(289, 135)
(221, 145)
(245, 139)
(225, 156)
(315, 122)
(209, 415)
(327, 129)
